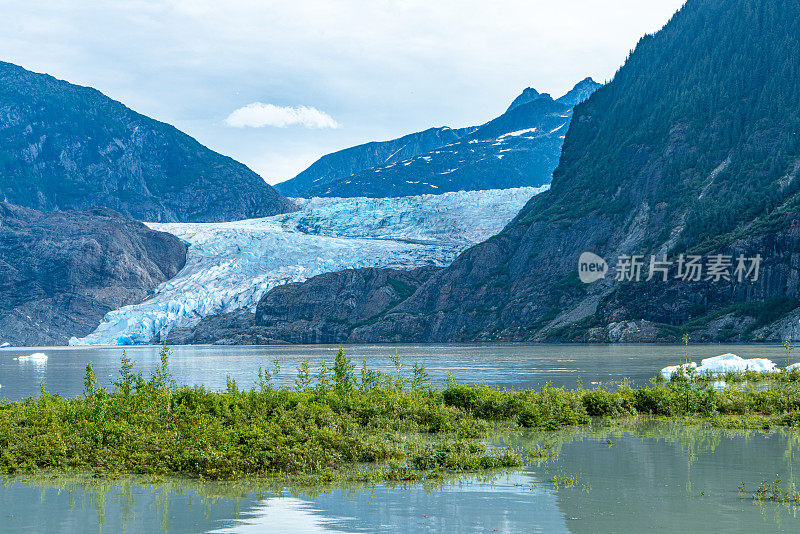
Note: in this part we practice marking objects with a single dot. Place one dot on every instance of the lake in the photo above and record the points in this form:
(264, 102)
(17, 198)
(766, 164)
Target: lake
(649, 476)
(517, 366)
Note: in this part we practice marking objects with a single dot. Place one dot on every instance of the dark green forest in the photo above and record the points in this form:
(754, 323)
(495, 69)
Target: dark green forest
(703, 117)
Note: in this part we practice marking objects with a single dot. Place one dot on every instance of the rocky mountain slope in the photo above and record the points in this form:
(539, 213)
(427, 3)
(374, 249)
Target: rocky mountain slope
(518, 149)
(324, 310)
(336, 167)
(61, 272)
(64, 146)
(692, 149)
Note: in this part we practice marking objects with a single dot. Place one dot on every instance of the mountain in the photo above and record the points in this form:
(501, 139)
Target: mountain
(528, 95)
(64, 146)
(62, 271)
(323, 311)
(693, 148)
(580, 93)
(368, 294)
(332, 168)
(518, 149)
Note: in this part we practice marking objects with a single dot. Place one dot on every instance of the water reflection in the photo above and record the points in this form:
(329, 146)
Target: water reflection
(659, 476)
(630, 477)
(292, 514)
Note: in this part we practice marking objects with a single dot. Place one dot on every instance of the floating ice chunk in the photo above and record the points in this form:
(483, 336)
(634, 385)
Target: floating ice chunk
(36, 357)
(4, 345)
(794, 366)
(667, 372)
(727, 363)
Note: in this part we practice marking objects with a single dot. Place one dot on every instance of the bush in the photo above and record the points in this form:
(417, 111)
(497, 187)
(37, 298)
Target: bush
(655, 401)
(553, 408)
(603, 403)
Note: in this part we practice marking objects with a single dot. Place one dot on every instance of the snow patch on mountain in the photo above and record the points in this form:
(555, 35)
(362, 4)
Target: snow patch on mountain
(231, 265)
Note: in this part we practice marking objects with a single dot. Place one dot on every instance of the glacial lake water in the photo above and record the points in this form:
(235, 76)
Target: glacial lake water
(649, 476)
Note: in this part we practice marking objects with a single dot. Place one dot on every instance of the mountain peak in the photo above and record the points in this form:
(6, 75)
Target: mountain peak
(582, 91)
(528, 95)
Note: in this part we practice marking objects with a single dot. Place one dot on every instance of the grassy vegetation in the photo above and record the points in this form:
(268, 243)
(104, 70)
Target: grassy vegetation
(335, 424)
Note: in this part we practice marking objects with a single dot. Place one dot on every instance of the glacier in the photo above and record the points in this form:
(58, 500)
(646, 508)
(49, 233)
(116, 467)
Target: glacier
(231, 265)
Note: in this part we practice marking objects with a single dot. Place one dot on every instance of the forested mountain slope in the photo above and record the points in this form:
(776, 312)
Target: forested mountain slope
(693, 148)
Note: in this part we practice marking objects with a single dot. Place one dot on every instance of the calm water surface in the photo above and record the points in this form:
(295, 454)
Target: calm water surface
(644, 477)
(517, 366)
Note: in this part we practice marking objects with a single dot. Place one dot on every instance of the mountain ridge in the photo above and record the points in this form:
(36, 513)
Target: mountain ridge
(64, 146)
(523, 153)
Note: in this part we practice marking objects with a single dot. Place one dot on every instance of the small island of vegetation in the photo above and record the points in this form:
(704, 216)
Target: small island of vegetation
(340, 424)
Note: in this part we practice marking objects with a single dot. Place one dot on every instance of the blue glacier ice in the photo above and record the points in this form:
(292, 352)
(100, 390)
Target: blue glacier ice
(231, 265)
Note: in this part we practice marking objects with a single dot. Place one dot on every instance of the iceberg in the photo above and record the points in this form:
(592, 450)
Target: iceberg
(231, 265)
(725, 363)
(36, 357)
(4, 345)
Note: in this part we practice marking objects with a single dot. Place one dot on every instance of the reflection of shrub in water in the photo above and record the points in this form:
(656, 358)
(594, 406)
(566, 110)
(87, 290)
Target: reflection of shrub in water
(774, 492)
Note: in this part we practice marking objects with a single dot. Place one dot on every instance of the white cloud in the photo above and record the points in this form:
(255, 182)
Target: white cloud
(258, 115)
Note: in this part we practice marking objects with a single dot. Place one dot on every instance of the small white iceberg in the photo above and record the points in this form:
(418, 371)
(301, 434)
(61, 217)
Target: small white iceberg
(4, 345)
(36, 357)
(728, 363)
(794, 366)
(725, 363)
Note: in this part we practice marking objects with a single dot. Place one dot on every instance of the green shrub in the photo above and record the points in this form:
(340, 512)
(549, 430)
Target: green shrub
(603, 403)
(655, 401)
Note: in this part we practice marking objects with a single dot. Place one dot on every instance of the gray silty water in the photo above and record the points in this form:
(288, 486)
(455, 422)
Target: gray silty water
(647, 477)
(517, 366)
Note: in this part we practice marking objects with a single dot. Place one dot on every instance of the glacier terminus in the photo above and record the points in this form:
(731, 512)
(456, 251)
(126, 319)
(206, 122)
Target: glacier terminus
(231, 265)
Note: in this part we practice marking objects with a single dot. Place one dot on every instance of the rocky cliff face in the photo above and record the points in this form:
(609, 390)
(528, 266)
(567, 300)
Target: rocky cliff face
(519, 148)
(692, 149)
(329, 308)
(64, 146)
(60, 272)
(344, 301)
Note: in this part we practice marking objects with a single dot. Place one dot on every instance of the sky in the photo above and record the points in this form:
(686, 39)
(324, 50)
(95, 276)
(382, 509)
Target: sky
(277, 84)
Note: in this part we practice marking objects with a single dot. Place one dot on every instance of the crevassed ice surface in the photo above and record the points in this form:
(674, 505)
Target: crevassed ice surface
(231, 265)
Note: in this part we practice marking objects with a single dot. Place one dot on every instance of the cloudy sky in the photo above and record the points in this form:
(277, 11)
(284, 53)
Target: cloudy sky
(276, 84)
